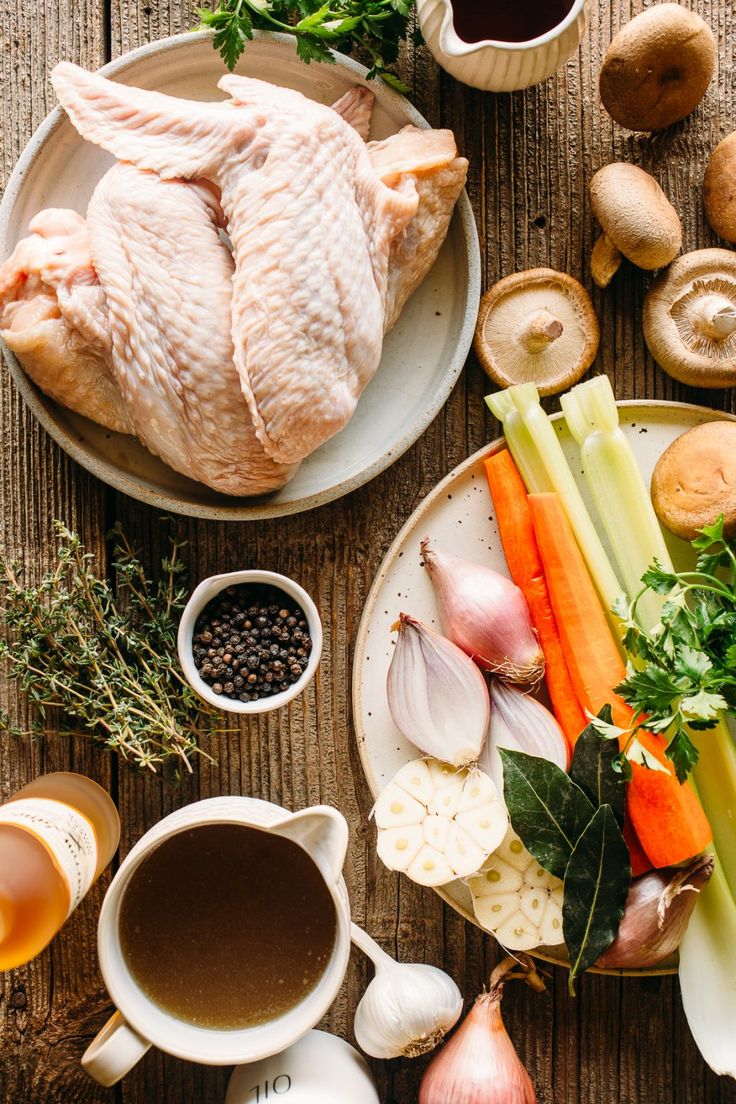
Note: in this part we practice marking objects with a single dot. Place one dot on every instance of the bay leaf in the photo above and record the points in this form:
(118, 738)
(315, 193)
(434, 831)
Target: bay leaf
(548, 811)
(596, 885)
(593, 768)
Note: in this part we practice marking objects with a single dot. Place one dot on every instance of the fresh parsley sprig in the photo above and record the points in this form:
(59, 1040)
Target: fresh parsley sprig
(684, 672)
(375, 27)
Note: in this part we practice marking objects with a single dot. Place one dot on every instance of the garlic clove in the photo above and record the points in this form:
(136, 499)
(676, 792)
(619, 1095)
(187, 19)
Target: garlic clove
(478, 790)
(395, 808)
(462, 853)
(435, 830)
(430, 868)
(447, 799)
(441, 772)
(398, 847)
(516, 900)
(417, 779)
(483, 826)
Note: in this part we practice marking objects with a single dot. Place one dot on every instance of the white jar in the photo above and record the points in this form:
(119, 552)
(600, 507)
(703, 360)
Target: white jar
(494, 65)
(319, 1069)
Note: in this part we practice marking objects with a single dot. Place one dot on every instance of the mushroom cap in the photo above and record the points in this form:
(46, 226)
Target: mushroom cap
(694, 480)
(696, 283)
(537, 326)
(719, 189)
(657, 68)
(636, 214)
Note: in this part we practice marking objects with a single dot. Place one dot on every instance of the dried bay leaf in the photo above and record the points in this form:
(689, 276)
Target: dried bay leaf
(548, 811)
(596, 885)
(593, 768)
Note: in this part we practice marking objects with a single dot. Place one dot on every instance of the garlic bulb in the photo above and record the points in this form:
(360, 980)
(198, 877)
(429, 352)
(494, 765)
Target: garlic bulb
(437, 823)
(407, 1009)
(520, 723)
(516, 900)
(437, 696)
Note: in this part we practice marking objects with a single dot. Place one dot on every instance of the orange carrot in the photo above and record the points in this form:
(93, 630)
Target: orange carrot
(639, 861)
(666, 816)
(525, 566)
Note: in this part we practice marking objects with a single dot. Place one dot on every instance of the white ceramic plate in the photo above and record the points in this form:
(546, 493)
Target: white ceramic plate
(458, 514)
(422, 356)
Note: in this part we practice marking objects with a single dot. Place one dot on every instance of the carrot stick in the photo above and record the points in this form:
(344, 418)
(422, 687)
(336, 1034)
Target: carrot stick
(639, 861)
(666, 816)
(525, 566)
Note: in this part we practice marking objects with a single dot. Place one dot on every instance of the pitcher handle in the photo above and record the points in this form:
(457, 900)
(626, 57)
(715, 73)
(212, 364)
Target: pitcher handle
(114, 1051)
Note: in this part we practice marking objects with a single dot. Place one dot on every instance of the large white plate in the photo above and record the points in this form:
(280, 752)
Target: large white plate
(422, 356)
(458, 514)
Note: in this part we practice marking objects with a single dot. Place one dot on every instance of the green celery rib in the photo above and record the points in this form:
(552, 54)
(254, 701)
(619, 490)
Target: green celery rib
(535, 447)
(714, 776)
(708, 975)
(621, 499)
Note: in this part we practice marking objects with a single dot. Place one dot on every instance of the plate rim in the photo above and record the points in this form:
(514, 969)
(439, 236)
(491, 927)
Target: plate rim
(372, 598)
(241, 510)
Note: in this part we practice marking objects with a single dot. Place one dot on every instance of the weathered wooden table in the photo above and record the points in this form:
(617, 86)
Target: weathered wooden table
(531, 157)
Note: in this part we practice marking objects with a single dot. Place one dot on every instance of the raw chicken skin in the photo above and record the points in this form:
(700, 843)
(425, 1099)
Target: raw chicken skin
(311, 226)
(167, 278)
(54, 318)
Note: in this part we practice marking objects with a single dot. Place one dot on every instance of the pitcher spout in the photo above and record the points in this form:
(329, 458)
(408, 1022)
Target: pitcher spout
(323, 833)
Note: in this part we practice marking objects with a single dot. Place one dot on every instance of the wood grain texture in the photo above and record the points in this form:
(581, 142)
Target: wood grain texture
(532, 155)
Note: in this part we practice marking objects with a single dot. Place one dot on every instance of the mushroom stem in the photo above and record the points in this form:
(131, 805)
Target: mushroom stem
(605, 261)
(713, 316)
(540, 330)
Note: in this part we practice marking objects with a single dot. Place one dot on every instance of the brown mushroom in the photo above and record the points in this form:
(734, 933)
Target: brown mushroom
(694, 480)
(537, 326)
(638, 221)
(719, 189)
(690, 318)
(657, 68)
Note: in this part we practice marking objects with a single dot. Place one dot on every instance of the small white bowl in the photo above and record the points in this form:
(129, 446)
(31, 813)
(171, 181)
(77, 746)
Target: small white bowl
(207, 590)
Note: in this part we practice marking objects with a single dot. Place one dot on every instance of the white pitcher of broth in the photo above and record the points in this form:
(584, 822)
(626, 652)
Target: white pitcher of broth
(224, 936)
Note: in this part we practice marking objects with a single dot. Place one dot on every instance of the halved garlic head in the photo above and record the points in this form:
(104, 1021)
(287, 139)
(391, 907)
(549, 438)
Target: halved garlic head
(516, 900)
(437, 823)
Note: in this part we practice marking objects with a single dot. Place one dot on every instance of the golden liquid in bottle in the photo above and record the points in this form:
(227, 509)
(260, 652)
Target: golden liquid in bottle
(34, 894)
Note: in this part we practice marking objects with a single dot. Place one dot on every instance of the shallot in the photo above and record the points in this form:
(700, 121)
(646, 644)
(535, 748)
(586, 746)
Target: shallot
(479, 1064)
(520, 723)
(486, 615)
(658, 908)
(437, 696)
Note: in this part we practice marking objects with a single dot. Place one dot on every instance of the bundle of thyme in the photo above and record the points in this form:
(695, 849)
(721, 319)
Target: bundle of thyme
(107, 658)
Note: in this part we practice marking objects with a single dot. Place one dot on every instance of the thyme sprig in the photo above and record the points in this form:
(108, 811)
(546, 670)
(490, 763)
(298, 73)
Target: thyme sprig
(105, 657)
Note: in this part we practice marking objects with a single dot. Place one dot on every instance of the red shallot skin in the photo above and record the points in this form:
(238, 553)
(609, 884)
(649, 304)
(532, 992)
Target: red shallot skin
(486, 615)
(658, 908)
(479, 1064)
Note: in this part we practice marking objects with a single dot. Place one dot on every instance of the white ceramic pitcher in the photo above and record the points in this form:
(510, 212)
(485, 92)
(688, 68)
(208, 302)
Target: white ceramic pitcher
(139, 1024)
(498, 66)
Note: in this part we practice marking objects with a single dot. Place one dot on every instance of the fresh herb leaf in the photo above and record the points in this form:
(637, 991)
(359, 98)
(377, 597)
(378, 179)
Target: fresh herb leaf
(373, 27)
(547, 810)
(106, 656)
(596, 885)
(593, 767)
(637, 753)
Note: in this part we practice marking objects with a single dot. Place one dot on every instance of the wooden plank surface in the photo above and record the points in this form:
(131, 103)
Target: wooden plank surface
(532, 155)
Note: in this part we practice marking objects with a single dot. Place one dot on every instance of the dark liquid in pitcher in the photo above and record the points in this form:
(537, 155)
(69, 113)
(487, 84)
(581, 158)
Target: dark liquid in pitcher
(227, 927)
(507, 20)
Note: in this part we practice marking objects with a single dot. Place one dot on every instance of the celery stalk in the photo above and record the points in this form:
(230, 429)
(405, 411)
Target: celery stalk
(708, 975)
(714, 776)
(535, 447)
(621, 499)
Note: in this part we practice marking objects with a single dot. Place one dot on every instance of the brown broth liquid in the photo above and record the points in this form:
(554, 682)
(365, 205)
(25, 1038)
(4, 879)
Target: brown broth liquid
(507, 20)
(227, 927)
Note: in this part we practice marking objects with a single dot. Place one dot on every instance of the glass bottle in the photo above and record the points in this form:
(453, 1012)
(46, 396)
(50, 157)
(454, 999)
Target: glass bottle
(57, 834)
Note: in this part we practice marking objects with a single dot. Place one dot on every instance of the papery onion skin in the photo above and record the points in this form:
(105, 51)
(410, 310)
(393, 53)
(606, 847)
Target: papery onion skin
(479, 1064)
(486, 615)
(658, 908)
(520, 723)
(437, 697)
